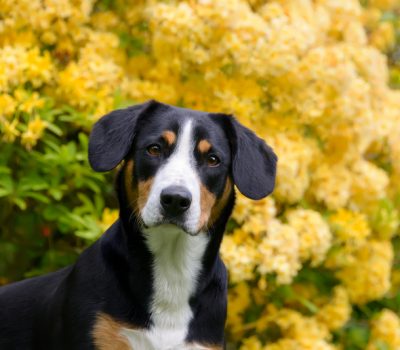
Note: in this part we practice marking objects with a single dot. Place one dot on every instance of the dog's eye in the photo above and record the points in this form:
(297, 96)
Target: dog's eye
(154, 150)
(213, 160)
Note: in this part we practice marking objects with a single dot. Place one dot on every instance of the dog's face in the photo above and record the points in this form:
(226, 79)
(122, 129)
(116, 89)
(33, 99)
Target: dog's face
(181, 164)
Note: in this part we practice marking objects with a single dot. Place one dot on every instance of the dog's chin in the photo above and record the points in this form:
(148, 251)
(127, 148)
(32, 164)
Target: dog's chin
(172, 223)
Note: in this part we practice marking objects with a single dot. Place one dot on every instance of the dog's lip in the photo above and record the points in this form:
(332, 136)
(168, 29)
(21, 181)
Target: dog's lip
(171, 221)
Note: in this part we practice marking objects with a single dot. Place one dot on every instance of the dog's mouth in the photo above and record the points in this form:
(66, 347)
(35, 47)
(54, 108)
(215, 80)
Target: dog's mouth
(172, 221)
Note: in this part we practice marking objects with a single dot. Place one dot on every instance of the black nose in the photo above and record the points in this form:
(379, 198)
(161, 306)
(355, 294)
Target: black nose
(175, 200)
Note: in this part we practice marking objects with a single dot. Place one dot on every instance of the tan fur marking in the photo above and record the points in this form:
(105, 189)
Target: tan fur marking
(137, 197)
(207, 201)
(169, 137)
(204, 146)
(130, 192)
(210, 207)
(107, 334)
(220, 204)
(144, 191)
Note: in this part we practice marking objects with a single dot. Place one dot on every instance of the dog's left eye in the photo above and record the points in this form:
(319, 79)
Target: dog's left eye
(154, 150)
(213, 160)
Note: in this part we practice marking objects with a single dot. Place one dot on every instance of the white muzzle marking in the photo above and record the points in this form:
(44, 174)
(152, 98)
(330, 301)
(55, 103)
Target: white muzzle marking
(179, 170)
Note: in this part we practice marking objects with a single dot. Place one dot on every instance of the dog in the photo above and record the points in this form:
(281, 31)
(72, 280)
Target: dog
(154, 280)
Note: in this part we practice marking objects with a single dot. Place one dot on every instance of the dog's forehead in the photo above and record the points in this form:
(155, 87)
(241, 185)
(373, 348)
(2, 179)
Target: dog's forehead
(204, 125)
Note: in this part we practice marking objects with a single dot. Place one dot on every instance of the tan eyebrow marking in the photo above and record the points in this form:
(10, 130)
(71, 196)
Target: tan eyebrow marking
(169, 137)
(204, 146)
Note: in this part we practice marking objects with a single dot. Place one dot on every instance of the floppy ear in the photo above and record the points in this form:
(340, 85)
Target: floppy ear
(253, 162)
(112, 136)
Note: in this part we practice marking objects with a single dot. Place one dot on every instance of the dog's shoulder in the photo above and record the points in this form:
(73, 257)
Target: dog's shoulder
(21, 307)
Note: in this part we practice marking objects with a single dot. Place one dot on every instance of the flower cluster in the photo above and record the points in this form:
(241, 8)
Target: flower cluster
(385, 330)
(310, 77)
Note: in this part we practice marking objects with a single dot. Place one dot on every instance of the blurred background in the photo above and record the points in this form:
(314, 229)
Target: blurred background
(317, 265)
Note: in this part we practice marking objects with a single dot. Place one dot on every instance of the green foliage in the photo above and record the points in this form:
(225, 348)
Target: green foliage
(51, 200)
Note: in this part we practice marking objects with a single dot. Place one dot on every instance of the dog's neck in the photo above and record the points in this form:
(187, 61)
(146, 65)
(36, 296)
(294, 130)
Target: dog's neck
(177, 264)
(163, 268)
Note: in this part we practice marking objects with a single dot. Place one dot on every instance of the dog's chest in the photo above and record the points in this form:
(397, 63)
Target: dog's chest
(154, 340)
(176, 268)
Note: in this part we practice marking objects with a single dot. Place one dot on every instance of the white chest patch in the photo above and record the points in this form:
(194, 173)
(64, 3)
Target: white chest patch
(177, 265)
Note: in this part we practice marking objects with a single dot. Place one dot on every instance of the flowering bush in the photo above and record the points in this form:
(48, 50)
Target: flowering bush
(315, 266)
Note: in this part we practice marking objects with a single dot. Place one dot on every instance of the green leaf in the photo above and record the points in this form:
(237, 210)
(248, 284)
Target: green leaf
(55, 129)
(56, 193)
(6, 185)
(38, 196)
(32, 182)
(53, 212)
(20, 203)
(52, 145)
(4, 170)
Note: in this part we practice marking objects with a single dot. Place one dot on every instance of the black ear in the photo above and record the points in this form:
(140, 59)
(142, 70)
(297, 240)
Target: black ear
(112, 136)
(253, 162)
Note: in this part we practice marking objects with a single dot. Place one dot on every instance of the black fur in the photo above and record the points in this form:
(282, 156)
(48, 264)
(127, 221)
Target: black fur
(254, 162)
(114, 275)
(112, 136)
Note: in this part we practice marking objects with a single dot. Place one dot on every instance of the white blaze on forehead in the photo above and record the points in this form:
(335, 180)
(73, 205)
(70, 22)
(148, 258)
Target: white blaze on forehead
(179, 170)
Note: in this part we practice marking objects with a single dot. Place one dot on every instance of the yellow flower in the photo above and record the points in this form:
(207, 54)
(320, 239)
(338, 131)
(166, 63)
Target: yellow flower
(331, 185)
(349, 226)
(384, 36)
(84, 83)
(39, 68)
(279, 252)
(295, 155)
(252, 343)
(28, 103)
(108, 217)
(314, 234)
(301, 344)
(10, 131)
(34, 132)
(385, 331)
(241, 259)
(255, 225)
(238, 301)
(383, 4)
(367, 276)
(243, 209)
(369, 184)
(302, 329)
(337, 311)
(7, 105)
(12, 60)
(28, 139)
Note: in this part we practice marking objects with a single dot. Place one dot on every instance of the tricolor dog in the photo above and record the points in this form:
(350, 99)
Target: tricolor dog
(154, 280)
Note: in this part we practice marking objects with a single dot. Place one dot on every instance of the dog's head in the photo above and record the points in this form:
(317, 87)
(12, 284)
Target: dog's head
(180, 164)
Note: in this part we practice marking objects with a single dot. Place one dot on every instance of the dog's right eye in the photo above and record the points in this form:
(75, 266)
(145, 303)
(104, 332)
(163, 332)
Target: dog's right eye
(154, 150)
